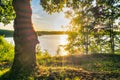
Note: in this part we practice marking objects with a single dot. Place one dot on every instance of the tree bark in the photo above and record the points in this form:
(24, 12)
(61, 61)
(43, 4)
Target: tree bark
(25, 40)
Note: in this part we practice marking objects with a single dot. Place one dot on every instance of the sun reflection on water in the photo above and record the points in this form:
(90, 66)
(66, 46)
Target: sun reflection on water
(63, 42)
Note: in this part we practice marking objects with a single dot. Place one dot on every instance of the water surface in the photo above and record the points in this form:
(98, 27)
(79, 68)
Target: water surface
(51, 43)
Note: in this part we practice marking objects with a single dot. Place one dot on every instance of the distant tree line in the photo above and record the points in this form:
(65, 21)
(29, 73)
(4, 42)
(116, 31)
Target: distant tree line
(9, 33)
(6, 33)
(52, 32)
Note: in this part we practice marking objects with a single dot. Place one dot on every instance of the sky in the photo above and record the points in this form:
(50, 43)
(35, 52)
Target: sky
(43, 21)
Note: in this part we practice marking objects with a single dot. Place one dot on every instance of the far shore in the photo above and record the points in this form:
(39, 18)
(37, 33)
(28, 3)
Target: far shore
(9, 33)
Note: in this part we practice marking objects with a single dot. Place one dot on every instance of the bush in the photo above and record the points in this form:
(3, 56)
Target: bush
(6, 51)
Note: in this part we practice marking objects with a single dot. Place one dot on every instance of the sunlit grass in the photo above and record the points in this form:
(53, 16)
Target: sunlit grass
(6, 56)
(72, 73)
(6, 50)
(93, 62)
(3, 71)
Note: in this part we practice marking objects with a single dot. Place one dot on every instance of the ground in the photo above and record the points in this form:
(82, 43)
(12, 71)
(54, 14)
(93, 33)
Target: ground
(75, 67)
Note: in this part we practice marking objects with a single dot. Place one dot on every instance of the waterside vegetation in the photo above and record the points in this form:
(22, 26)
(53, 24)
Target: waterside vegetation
(69, 67)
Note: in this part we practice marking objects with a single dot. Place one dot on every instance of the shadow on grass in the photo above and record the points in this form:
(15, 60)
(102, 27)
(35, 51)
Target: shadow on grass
(5, 76)
(68, 73)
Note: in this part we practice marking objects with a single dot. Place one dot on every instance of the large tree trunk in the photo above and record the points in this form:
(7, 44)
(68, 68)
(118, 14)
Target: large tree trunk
(25, 40)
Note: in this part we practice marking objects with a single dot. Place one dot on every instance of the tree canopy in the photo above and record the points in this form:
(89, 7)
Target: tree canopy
(100, 8)
(6, 11)
(91, 21)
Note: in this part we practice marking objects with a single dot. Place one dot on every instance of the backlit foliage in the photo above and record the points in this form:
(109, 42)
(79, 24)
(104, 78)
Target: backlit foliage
(92, 24)
(7, 13)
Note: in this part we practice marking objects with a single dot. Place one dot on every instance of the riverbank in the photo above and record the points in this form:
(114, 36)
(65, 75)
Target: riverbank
(69, 67)
(9, 33)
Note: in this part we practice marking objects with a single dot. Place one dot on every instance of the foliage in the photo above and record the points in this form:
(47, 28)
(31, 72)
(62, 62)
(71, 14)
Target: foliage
(91, 21)
(6, 50)
(52, 6)
(43, 57)
(6, 55)
(107, 10)
(7, 13)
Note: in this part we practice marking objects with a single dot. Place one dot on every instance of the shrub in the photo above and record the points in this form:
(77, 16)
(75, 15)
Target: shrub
(6, 50)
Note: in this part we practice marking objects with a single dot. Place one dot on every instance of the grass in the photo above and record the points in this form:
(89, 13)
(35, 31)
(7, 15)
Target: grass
(70, 73)
(6, 56)
(6, 51)
(93, 62)
(70, 67)
(79, 67)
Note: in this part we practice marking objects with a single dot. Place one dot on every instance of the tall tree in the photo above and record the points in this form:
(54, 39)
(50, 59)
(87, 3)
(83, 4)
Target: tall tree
(107, 12)
(25, 37)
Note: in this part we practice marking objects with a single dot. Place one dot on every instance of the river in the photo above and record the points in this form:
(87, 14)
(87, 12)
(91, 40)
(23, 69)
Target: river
(51, 43)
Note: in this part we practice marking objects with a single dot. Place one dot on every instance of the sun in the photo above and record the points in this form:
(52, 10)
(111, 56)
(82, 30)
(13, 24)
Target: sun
(63, 52)
(63, 40)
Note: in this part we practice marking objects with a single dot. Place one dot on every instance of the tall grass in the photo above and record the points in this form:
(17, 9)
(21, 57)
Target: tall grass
(6, 55)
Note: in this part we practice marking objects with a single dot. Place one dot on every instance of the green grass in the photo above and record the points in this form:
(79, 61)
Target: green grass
(70, 73)
(6, 55)
(6, 51)
(79, 67)
(3, 71)
(93, 62)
